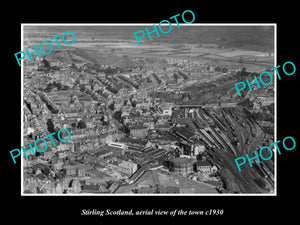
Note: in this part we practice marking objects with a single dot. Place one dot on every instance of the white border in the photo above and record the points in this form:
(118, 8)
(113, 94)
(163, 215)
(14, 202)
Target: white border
(151, 24)
(22, 111)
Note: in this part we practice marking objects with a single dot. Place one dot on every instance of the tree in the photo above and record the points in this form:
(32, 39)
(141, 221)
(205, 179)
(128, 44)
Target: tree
(59, 86)
(82, 88)
(112, 106)
(243, 70)
(65, 87)
(133, 103)
(50, 126)
(224, 70)
(81, 124)
(46, 64)
(117, 115)
(199, 157)
(77, 81)
(217, 69)
(177, 152)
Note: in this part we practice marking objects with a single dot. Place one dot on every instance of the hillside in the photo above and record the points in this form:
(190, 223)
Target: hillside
(77, 55)
(96, 57)
(247, 37)
(102, 58)
(154, 63)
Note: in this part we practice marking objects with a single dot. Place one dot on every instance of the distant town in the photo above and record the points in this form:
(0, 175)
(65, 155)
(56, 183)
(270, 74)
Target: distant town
(146, 122)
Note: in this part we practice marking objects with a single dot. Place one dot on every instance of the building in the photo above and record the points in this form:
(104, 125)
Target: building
(78, 134)
(48, 153)
(184, 133)
(71, 171)
(197, 149)
(95, 174)
(133, 144)
(162, 127)
(205, 167)
(123, 166)
(128, 167)
(118, 145)
(57, 163)
(166, 109)
(138, 131)
(79, 170)
(104, 154)
(182, 166)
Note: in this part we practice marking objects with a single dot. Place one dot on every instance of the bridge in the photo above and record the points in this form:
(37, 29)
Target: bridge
(229, 104)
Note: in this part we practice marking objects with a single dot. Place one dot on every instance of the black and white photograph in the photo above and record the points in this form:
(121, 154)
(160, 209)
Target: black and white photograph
(159, 117)
(149, 113)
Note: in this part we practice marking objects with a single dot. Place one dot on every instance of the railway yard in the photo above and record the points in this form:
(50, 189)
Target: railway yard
(158, 119)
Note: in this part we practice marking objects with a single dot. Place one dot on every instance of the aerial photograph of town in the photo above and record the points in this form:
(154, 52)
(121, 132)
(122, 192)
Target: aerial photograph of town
(163, 117)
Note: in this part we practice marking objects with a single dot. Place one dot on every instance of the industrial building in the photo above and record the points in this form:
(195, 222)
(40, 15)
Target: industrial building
(182, 166)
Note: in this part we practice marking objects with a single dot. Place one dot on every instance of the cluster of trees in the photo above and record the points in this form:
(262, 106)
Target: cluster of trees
(244, 72)
(112, 70)
(184, 76)
(94, 94)
(130, 82)
(51, 128)
(46, 66)
(50, 105)
(219, 69)
(132, 102)
(108, 85)
(74, 67)
(112, 89)
(148, 80)
(81, 124)
(27, 103)
(108, 71)
(59, 87)
(264, 115)
(118, 116)
(155, 78)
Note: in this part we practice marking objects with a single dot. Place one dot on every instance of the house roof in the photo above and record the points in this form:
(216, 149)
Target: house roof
(165, 106)
(41, 176)
(97, 173)
(133, 141)
(161, 126)
(90, 188)
(79, 167)
(104, 151)
(28, 175)
(212, 182)
(183, 131)
(203, 163)
(114, 186)
(136, 127)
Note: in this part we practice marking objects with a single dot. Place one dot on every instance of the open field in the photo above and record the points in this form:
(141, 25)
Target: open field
(259, 60)
(114, 48)
(254, 45)
(245, 37)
